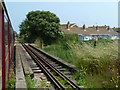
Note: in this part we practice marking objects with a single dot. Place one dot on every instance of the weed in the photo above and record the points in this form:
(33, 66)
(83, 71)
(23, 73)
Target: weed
(63, 82)
(99, 61)
(116, 81)
(30, 82)
(44, 84)
(11, 83)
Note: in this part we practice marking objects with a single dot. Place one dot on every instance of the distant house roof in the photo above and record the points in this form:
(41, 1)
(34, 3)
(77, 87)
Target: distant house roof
(117, 29)
(65, 30)
(99, 26)
(79, 31)
(101, 31)
(73, 28)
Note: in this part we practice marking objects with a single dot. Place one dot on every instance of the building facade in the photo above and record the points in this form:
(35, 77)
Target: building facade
(90, 33)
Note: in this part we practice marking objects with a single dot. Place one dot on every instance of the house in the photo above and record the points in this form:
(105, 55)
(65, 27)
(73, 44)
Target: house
(90, 33)
(116, 29)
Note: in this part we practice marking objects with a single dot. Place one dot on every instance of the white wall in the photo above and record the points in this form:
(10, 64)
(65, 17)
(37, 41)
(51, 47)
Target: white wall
(115, 37)
(87, 38)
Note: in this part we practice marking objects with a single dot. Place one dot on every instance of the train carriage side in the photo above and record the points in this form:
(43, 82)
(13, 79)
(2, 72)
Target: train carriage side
(6, 45)
(0, 47)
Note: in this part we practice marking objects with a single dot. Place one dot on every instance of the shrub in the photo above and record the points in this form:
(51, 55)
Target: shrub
(30, 82)
(99, 61)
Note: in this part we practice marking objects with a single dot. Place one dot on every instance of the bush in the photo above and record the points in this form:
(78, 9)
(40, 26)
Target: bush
(30, 82)
(11, 83)
(99, 61)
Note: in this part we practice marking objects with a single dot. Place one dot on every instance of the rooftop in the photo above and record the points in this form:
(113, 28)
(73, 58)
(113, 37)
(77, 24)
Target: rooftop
(73, 28)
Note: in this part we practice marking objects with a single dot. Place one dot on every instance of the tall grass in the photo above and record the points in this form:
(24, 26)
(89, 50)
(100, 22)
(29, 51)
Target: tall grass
(101, 62)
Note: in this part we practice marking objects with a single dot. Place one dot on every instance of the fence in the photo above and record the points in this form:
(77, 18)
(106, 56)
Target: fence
(6, 45)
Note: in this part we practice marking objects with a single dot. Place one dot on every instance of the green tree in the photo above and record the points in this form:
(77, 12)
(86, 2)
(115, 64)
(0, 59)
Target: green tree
(16, 34)
(42, 25)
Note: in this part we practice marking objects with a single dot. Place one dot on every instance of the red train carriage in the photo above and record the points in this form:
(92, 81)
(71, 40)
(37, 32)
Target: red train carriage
(6, 45)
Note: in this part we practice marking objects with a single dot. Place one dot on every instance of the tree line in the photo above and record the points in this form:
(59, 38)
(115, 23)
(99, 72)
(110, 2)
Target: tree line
(41, 25)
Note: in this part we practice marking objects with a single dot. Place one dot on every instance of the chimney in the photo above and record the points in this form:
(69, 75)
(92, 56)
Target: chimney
(84, 27)
(108, 28)
(68, 25)
(97, 28)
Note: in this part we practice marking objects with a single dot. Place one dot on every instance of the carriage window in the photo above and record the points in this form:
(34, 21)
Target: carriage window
(6, 34)
(6, 42)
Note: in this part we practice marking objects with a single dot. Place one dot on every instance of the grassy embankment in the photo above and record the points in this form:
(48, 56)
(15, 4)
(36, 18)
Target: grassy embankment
(97, 67)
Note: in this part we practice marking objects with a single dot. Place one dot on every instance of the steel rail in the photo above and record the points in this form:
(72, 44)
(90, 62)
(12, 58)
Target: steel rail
(74, 85)
(53, 68)
(53, 59)
(50, 75)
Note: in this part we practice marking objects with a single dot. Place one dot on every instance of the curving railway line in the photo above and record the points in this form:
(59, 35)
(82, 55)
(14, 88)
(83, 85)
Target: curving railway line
(55, 71)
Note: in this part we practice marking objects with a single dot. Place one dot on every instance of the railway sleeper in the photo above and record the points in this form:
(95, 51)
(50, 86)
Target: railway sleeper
(37, 71)
(52, 62)
(35, 68)
(49, 69)
(67, 73)
(59, 67)
(69, 76)
(44, 78)
(55, 65)
(62, 69)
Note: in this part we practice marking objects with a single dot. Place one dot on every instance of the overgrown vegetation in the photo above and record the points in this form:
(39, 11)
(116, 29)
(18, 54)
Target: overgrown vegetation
(33, 83)
(30, 82)
(62, 81)
(102, 66)
(45, 84)
(12, 80)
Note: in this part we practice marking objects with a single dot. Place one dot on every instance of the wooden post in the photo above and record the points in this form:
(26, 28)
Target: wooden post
(40, 43)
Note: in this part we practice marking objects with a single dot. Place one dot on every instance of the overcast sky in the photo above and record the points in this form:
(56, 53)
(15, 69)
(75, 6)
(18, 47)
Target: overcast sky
(89, 13)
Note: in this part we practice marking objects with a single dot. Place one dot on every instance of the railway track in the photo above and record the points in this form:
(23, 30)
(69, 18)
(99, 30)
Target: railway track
(56, 72)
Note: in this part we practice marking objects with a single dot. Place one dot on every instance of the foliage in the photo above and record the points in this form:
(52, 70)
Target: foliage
(64, 82)
(64, 42)
(82, 73)
(44, 84)
(40, 24)
(30, 82)
(11, 83)
(116, 81)
(99, 61)
(16, 34)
